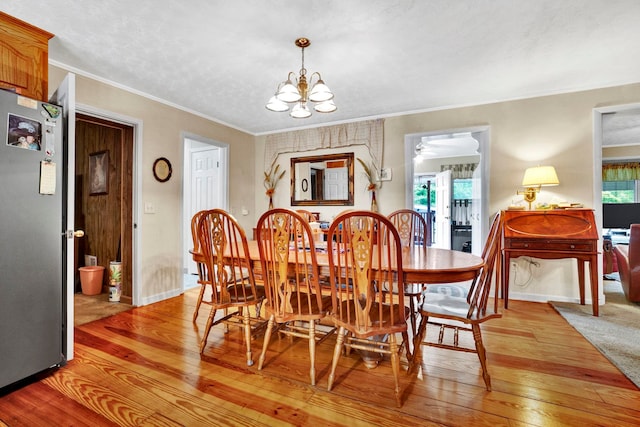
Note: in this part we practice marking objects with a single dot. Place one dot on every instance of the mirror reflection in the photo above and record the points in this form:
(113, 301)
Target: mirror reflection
(322, 180)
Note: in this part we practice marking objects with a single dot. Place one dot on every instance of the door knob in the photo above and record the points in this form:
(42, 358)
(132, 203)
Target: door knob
(78, 233)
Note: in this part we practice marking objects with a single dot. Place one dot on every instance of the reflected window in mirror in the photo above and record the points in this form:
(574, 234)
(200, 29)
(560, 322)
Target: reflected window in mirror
(322, 180)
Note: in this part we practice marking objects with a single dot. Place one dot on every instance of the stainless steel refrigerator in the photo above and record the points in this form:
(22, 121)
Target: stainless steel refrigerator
(32, 241)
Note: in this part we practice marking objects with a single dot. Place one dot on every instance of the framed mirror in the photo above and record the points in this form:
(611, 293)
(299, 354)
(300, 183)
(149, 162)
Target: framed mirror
(322, 180)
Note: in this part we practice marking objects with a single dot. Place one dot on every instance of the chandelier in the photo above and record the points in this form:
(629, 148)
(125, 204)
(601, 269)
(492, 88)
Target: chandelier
(295, 91)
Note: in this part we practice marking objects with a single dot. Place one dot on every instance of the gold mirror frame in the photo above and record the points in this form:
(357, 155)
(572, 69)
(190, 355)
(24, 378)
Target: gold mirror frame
(345, 157)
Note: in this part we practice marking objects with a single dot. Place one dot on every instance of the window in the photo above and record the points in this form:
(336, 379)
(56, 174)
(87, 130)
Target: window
(620, 191)
(462, 189)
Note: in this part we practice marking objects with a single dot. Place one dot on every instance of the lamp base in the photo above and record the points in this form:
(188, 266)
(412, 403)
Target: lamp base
(529, 195)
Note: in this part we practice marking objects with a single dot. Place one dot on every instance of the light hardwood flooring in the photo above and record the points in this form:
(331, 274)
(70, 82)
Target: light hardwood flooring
(143, 367)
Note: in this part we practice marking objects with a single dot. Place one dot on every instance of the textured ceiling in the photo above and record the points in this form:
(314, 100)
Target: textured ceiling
(223, 59)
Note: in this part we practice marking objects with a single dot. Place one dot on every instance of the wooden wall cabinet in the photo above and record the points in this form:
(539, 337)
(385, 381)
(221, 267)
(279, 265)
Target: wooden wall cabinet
(24, 58)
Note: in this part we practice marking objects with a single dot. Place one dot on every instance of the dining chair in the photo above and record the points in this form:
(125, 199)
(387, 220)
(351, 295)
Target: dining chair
(203, 279)
(365, 257)
(307, 215)
(464, 313)
(225, 254)
(295, 303)
(413, 232)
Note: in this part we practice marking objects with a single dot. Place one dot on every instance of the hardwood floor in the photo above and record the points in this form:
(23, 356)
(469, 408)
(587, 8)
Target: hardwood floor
(143, 367)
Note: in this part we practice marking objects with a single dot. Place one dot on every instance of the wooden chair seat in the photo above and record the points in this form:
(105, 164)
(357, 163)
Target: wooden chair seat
(380, 319)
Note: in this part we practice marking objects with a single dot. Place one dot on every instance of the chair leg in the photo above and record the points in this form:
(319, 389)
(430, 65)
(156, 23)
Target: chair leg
(247, 335)
(199, 302)
(412, 309)
(312, 351)
(336, 356)
(416, 360)
(477, 336)
(267, 337)
(207, 329)
(405, 340)
(395, 366)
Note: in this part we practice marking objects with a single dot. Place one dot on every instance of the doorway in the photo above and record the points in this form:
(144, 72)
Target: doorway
(205, 184)
(460, 221)
(616, 133)
(105, 214)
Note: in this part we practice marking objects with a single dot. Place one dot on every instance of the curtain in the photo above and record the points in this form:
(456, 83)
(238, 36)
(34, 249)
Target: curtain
(462, 170)
(369, 133)
(621, 171)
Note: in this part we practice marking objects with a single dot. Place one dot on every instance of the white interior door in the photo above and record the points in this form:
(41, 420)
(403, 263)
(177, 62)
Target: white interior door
(443, 210)
(336, 184)
(205, 180)
(65, 96)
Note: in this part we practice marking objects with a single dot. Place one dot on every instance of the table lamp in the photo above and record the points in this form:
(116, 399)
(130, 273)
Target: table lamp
(536, 177)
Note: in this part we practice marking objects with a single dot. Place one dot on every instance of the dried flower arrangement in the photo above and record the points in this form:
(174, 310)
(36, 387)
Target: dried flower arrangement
(371, 174)
(271, 180)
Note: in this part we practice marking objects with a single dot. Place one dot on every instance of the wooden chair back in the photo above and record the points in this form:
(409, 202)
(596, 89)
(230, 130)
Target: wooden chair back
(226, 256)
(479, 291)
(412, 228)
(307, 215)
(289, 265)
(203, 279)
(365, 257)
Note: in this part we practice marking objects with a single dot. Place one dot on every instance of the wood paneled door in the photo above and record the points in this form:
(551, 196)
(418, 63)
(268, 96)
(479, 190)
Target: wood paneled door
(106, 217)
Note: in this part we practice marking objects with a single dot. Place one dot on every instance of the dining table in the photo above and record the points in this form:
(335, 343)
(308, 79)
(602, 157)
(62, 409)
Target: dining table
(420, 265)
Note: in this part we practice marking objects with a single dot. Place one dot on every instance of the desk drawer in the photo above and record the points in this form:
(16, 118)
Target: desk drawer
(551, 245)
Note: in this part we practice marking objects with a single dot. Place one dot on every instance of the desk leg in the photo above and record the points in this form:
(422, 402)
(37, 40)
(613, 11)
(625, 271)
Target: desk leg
(505, 280)
(593, 270)
(581, 268)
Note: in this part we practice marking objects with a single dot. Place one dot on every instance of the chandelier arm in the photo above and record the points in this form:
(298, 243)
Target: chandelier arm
(311, 78)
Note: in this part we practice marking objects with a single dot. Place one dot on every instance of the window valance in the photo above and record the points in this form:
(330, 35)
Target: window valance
(369, 133)
(462, 170)
(621, 171)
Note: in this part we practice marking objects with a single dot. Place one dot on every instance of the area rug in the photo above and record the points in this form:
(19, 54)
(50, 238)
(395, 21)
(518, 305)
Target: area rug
(88, 308)
(614, 333)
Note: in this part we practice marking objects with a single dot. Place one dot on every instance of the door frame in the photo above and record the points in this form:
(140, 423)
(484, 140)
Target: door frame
(483, 135)
(223, 185)
(137, 126)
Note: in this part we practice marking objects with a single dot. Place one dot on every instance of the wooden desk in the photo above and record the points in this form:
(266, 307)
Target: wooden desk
(553, 234)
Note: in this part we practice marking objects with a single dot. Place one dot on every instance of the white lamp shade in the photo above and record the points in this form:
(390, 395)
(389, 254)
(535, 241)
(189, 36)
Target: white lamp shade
(288, 93)
(300, 111)
(275, 104)
(540, 176)
(320, 92)
(325, 107)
